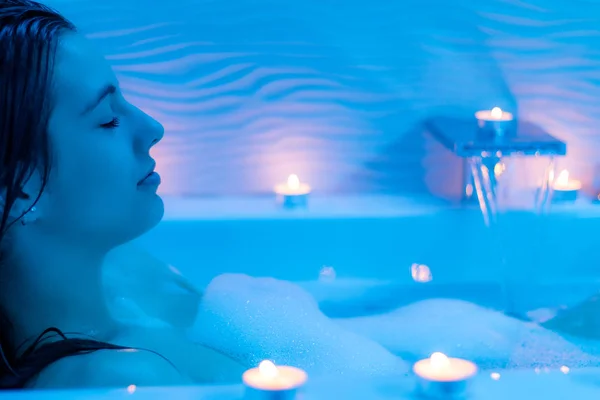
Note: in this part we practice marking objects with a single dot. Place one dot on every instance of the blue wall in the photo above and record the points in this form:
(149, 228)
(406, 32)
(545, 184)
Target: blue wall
(252, 90)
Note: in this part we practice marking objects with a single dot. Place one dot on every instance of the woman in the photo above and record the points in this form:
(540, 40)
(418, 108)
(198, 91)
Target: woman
(76, 181)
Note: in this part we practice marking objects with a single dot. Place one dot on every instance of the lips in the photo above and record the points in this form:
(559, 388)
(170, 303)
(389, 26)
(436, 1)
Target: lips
(150, 172)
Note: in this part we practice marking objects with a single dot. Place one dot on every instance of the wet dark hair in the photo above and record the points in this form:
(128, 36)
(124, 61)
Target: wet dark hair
(29, 34)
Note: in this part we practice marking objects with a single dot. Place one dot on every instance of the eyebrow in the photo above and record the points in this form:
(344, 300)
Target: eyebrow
(105, 91)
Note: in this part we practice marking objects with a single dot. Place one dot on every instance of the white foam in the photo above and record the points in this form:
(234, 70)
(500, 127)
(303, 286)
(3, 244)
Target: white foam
(252, 319)
(463, 329)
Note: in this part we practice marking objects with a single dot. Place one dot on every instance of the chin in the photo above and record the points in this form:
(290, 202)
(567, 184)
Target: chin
(156, 211)
(145, 216)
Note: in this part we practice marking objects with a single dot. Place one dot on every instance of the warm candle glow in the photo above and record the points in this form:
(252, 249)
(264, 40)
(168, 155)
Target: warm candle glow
(268, 376)
(293, 182)
(292, 187)
(496, 112)
(441, 368)
(563, 178)
(564, 182)
(439, 360)
(267, 369)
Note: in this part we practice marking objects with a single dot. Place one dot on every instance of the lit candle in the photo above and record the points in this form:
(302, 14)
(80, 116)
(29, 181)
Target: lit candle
(293, 193)
(495, 114)
(495, 121)
(269, 381)
(440, 376)
(565, 189)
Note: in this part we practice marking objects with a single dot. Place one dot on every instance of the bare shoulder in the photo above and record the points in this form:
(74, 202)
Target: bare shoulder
(110, 368)
(201, 364)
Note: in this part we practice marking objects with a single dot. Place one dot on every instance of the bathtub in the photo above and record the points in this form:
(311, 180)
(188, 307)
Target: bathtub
(368, 247)
(373, 243)
(514, 385)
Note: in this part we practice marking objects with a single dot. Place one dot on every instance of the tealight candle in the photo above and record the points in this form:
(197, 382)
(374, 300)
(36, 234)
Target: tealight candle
(293, 193)
(565, 189)
(440, 376)
(495, 121)
(269, 381)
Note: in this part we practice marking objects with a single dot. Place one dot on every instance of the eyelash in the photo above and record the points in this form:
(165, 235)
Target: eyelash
(112, 124)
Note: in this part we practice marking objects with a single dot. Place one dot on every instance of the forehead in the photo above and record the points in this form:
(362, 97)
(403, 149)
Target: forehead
(79, 72)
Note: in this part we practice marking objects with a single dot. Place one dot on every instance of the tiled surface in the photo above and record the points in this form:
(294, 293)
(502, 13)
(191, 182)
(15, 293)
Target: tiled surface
(250, 91)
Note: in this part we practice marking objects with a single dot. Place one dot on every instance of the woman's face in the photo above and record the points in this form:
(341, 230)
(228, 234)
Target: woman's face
(100, 154)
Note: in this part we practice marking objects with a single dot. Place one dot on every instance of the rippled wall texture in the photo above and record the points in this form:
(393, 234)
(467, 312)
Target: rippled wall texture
(252, 90)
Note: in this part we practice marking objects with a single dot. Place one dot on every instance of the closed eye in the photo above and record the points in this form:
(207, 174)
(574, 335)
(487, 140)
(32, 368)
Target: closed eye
(112, 124)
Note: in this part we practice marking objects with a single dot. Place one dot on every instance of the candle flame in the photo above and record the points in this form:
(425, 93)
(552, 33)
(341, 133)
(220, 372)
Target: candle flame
(293, 182)
(268, 369)
(439, 360)
(496, 112)
(563, 177)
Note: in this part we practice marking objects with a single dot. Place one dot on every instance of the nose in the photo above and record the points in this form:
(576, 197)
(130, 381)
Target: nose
(150, 131)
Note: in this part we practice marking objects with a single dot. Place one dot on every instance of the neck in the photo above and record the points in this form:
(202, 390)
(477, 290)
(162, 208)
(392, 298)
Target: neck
(54, 283)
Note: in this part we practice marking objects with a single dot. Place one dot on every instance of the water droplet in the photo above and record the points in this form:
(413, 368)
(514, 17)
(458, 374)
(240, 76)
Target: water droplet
(327, 274)
(420, 273)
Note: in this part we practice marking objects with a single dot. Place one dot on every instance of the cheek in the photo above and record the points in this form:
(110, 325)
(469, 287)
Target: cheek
(99, 179)
(103, 162)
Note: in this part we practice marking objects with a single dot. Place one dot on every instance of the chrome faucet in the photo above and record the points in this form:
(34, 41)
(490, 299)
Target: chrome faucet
(482, 152)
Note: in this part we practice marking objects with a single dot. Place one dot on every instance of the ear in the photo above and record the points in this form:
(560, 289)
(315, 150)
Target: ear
(30, 189)
(22, 204)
